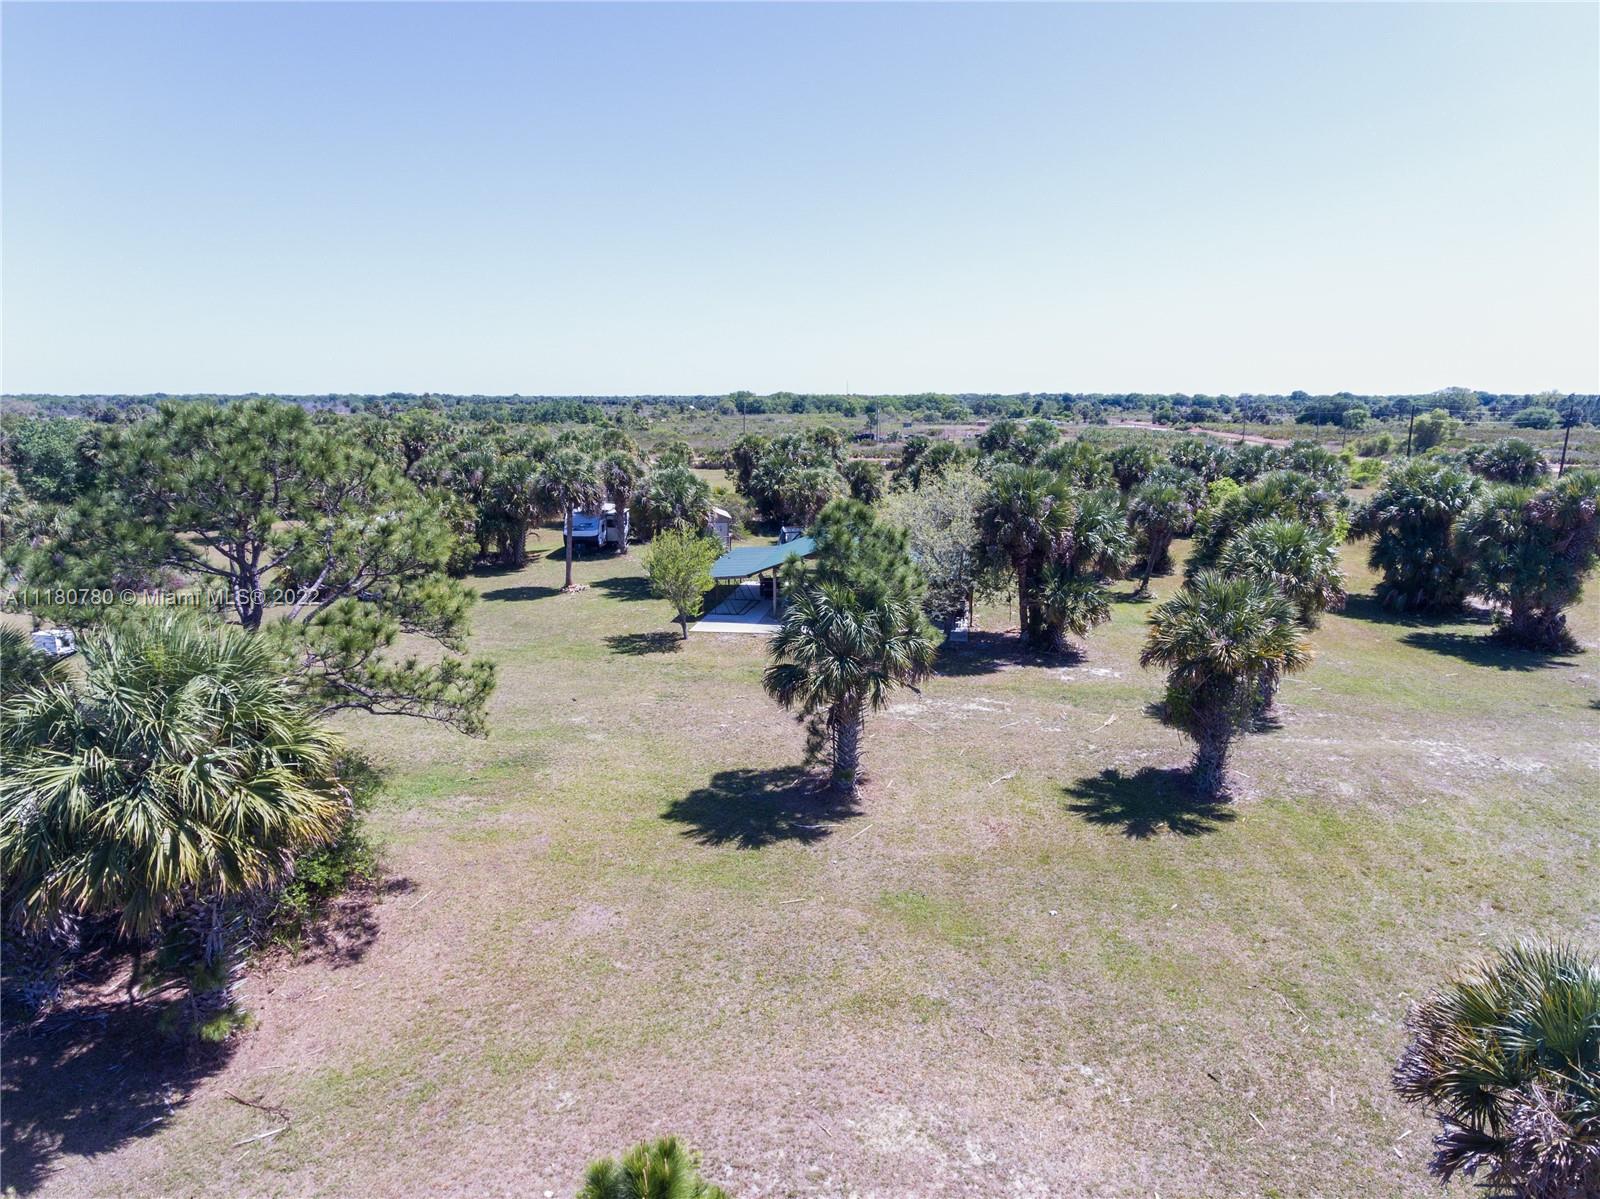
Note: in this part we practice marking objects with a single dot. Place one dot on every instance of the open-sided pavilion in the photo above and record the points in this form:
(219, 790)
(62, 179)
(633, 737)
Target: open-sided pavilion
(748, 597)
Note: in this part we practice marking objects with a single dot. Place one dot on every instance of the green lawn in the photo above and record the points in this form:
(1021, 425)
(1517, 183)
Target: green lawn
(1023, 965)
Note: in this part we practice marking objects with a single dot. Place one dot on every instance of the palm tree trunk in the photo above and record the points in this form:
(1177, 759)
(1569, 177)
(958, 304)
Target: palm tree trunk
(1267, 692)
(211, 986)
(1022, 598)
(622, 526)
(1536, 628)
(1213, 733)
(847, 749)
(566, 529)
(519, 545)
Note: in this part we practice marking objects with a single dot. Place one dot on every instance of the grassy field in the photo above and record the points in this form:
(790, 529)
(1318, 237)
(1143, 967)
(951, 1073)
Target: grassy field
(707, 431)
(1023, 965)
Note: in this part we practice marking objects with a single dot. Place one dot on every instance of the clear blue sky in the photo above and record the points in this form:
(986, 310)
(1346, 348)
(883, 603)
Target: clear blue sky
(658, 198)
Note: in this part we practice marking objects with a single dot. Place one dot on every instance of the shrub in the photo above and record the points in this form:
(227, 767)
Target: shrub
(324, 873)
(1435, 428)
(1364, 472)
(1536, 417)
(662, 1169)
(1379, 445)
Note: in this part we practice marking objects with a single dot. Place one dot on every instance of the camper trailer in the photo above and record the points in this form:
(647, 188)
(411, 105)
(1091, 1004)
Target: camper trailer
(58, 643)
(593, 530)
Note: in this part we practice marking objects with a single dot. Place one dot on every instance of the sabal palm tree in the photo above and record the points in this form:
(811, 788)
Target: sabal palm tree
(22, 666)
(1158, 510)
(1507, 1056)
(514, 500)
(1023, 519)
(834, 660)
(662, 1169)
(622, 474)
(1411, 520)
(1527, 552)
(1281, 494)
(1220, 638)
(1071, 606)
(568, 481)
(674, 497)
(180, 774)
(1097, 543)
(1297, 559)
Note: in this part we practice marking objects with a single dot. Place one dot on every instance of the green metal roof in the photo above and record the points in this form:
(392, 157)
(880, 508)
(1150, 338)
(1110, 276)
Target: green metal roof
(753, 559)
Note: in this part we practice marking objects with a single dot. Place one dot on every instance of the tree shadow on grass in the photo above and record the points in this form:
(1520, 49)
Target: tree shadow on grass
(636, 644)
(624, 587)
(89, 1079)
(988, 653)
(1146, 803)
(519, 593)
(756, 808)
(1482, 649)
(1368, 607)
(348, 926)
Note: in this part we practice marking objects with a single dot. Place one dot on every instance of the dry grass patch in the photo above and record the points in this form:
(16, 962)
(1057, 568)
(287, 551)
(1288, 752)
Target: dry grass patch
(1024, 964)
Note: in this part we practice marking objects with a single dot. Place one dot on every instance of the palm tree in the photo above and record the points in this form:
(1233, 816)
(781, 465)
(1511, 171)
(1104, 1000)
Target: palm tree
(1158, 510)
(22, 666)
(1285, 494)
(1411, 520)
(1130, 464)
(569, 481)
(1220, 639)
(803, 493)
(1507, 1056)
(1300, 561)
(180, 776)
(1097, 544)
(1527, 552)
(674, 497)
(1071, 606)
(662, 1169)
(622, 474)
(833, 660)
(514, 499)
(1510, 460)
(1023, 519)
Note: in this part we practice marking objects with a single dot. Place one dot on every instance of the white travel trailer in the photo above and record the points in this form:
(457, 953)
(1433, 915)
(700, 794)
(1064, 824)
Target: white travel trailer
(58, 643)
(595, 530)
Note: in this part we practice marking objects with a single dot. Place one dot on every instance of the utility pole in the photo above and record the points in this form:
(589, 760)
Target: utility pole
(1410, 426)
(1571, 419)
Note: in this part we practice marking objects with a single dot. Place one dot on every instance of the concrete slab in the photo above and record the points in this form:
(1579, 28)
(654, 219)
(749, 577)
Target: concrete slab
(745, 610)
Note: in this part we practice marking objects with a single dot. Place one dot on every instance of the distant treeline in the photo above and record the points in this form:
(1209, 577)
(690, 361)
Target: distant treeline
(1463, 403)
